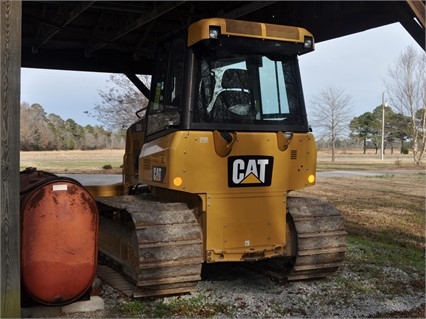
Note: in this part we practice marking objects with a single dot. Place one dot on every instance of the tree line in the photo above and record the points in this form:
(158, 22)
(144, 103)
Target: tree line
(40, 131)
(368, 128)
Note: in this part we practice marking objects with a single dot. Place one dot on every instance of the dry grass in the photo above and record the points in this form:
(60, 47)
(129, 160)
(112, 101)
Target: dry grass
(354, 159)
(73, 161)
(93, 161)
(390, 207)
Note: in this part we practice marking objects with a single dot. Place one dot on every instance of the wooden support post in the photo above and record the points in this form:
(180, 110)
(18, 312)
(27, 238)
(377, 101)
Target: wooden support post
(10, 79)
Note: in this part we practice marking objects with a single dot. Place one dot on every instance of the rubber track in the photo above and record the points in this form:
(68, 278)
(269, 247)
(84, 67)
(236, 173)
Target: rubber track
(321, 238)
(164, 243)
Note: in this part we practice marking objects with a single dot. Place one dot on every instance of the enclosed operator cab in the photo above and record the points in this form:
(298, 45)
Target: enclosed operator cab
(230, 75)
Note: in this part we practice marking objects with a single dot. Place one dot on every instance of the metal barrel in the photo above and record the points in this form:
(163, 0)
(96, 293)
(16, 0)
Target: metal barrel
(59, 233)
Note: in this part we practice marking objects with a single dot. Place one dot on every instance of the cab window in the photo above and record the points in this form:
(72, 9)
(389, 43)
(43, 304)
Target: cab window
(248, 89)
(164, 109)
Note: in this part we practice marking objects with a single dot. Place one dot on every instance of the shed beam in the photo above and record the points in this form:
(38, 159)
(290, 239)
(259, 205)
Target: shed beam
(247, 9)
(138, 83)
(76, 12)
(136, 24)
(418, 8)
(412, 19)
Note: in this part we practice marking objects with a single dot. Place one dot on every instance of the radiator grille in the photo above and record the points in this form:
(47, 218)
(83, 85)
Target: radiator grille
(147, 163)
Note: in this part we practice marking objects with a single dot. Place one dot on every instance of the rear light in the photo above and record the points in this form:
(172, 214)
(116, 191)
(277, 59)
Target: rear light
(214, 32)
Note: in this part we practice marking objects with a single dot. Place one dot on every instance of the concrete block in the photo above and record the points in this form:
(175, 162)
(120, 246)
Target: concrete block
(40, 312)
(95, 303)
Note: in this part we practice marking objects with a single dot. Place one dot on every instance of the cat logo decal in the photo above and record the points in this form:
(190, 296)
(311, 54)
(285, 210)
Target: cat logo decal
(250, 171)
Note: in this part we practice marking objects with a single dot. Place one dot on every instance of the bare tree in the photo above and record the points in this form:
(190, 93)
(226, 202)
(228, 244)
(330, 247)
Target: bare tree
(331, 114)
(406, 88)
(120, 102)
(34, 130)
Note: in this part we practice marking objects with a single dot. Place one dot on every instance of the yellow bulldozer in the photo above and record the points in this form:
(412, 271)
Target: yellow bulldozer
(210, 164)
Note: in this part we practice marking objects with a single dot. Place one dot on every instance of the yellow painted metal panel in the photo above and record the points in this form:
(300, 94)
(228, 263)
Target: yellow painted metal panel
(241, 227)
(106, 190)
(200, 30)
(202, 170)
(243, 212)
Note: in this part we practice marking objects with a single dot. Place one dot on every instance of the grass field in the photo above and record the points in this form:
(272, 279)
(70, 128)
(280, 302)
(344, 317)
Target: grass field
(74, 161)
(387, 209)
(351, 159)
(93, 161)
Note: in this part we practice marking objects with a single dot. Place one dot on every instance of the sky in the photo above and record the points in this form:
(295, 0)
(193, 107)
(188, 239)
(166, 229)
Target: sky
(356, 63)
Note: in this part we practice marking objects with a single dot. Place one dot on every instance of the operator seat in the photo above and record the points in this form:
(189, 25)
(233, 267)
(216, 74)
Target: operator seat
(234, 101)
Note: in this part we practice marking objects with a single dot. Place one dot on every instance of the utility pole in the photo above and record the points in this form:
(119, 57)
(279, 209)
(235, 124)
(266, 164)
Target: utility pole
(383, 126)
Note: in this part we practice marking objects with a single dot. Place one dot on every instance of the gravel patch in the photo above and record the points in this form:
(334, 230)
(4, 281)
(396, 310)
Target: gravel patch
(242, 293)
(346, 295)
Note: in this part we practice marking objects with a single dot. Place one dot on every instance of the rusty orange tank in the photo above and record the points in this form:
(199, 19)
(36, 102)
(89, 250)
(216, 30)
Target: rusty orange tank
(59, 230)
